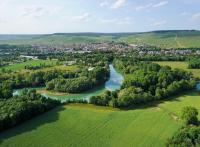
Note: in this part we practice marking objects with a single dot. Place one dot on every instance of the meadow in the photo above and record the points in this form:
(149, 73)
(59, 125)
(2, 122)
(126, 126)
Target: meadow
(21, 66)
(180, 65)
(88, 125)
(78, 125)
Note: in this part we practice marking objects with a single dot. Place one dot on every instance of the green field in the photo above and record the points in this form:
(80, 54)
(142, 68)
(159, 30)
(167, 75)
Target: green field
(163, 39)
(83, 126)
(181, 65)
(20, 66)
(87, 125)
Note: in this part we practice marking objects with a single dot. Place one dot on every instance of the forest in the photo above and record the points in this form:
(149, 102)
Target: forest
(145, 82)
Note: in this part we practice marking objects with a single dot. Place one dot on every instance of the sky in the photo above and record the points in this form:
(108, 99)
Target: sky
(62, 16)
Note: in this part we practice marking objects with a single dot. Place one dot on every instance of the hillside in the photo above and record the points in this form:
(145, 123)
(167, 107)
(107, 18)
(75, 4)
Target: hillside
(163, 39)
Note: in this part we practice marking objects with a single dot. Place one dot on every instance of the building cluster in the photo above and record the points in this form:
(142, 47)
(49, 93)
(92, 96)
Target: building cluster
(86, 47)
(169, 52)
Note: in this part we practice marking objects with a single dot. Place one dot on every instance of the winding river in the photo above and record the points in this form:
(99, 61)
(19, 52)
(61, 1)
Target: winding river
(114, 83)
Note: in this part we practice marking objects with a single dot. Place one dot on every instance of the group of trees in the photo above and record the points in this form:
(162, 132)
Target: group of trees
(41, 66)
(194, 63)
(33, 79)
(145, 82)
(108, 98)
(86, 80)
(189, 134)
(20, 108)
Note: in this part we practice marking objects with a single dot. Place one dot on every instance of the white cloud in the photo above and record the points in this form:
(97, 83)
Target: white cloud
(118, 21)
(118, 4)
(38, 11)
(196, 16)
(159, 23)
(185, 13)
(143, 7)
(108, 20)
(84, 17)
(160, 4)
(151, 5)
(104, 3)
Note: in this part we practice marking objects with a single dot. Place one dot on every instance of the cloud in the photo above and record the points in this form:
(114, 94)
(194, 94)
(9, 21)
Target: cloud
(38, 11)
(185, 13)
(151, 5)
(160, 4)
(118, 21)
(143, 7)
(104, 3)
(2, 20)
(196, 16)
(118, 4)
(84, 17)
(108, 20)
(159, 23)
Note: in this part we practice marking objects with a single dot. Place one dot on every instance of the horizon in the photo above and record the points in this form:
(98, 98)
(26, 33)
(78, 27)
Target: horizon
(107, 16)
(60, 33)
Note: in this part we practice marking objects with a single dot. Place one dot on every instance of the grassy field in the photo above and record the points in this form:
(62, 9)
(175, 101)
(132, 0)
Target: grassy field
(181, 65)
(83, 126)
(20, 66)
(88, 125)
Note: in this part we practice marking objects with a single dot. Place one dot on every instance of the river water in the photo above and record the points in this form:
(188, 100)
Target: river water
(114, 83)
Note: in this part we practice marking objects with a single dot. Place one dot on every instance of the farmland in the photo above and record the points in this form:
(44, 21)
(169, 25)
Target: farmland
(163, 39)
(20, 66)
(70, 125)
(180, 65)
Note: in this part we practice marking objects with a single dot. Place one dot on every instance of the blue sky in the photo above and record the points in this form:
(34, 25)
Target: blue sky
(51, 16)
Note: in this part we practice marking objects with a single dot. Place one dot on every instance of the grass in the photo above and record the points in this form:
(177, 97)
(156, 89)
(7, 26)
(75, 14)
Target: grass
(21, 66)
(88, 125)
(180, 65)
(188, 99)
(84, 125)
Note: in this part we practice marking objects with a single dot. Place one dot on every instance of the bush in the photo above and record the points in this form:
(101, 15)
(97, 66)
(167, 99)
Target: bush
(189, 115)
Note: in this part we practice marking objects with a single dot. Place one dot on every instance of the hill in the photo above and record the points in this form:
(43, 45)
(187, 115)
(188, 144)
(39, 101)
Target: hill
(163, 39)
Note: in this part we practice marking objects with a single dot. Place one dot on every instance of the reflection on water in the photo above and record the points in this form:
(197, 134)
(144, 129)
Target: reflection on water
(114, 83)
(115, 80)
(198, 86)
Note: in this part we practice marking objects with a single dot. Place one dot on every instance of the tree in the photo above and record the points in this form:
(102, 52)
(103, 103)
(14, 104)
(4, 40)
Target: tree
(189, 115)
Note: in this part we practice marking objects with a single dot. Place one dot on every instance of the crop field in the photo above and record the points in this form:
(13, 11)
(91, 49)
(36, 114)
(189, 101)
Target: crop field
(70, 125)
(174, 106)
(91, 126)
(20, 66)
(181, 65)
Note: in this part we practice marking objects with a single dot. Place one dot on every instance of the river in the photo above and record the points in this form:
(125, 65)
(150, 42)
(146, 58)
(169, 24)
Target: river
(114, 83)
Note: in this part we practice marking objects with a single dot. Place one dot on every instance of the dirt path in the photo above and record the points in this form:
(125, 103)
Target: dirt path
(178, 43)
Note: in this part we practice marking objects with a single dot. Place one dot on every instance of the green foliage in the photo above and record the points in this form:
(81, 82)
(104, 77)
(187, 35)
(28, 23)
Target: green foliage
(189, 115)
(194, 64)
(20, 108)
(185, 137)
(85, 81)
